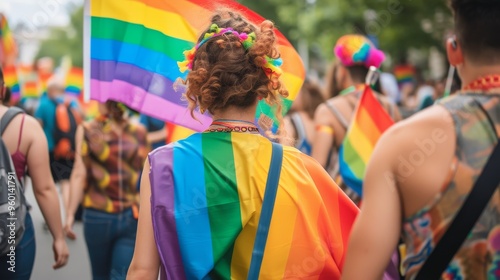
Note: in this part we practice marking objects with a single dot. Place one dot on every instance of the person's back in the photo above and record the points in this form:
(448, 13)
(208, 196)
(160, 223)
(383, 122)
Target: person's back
(425, 167)
(333, 118)
(443, 186)
(27, 146)
(208, 221)
(203, 198)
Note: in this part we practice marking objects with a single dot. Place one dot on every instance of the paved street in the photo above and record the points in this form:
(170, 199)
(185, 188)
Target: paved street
(78, 267)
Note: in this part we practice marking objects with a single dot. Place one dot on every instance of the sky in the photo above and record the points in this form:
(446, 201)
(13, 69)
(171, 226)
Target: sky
(37, 12)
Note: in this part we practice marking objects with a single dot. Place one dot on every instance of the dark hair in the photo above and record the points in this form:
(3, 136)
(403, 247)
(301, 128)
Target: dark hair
(226, 74)
(1, 74)
(358, 73)
(115, 110)
(333, 87)
(7, 96)
(476, 25)
(311, 97)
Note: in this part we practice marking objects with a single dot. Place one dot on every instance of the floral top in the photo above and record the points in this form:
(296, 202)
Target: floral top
(479, 256)
(113, 164)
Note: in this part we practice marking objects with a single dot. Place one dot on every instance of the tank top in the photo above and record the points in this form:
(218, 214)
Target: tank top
(476, 117)
(302, 144)
(18, 158)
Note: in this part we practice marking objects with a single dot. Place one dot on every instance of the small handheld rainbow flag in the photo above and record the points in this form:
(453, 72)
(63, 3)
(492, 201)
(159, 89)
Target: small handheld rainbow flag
(30, 89)
(12, 82)
(74, 81)
(135, 46)
(8, 48)
(404, 74)
(369, 122)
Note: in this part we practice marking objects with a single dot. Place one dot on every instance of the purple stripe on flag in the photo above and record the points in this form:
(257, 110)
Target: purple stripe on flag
(162, 212)
(147, 103)
(151, 82)
(102, 70)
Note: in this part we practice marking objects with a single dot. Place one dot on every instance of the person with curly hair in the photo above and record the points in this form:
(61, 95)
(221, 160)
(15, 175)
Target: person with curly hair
(202, 201)
(423, 170)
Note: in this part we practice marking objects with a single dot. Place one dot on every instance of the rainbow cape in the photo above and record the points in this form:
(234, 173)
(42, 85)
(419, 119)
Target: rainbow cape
(12, 82)
(176, 132)
(205, 225)
(135, 46)
(8, 47)
(369, 122)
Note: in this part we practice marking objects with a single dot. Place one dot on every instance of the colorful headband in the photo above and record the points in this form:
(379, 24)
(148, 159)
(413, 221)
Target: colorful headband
(247, 40)
(358, 50)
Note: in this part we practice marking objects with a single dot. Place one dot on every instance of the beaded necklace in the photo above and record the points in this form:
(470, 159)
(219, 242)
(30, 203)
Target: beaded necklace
(484, 84)
(225, 125)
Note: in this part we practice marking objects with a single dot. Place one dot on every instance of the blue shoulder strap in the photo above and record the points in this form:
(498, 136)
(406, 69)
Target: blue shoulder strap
(273, 178)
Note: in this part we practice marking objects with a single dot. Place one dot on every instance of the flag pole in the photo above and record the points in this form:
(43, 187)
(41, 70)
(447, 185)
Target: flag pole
(86, 51)
(372, 76)
(449, 81)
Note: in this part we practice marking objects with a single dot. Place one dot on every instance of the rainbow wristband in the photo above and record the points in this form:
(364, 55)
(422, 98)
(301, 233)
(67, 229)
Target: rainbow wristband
(325, 129)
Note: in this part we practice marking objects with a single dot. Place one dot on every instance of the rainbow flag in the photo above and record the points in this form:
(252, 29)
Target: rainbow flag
(8, 47)
(405, 74)
(74, 81)
(43, 79)
(177, 132)
(135, 46)
(369, 122)
(30, 89)
(205, 225)
(12, 82)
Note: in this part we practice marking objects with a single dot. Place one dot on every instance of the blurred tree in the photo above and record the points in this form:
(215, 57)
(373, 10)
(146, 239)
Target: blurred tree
(66, 40)
(397, 25)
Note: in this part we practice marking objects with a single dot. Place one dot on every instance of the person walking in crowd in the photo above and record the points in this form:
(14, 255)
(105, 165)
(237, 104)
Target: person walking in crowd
(333, 117)
(299, 123)
(111, 151)
(420, 186)
(59, 118)
(24, 139)
(202, 202)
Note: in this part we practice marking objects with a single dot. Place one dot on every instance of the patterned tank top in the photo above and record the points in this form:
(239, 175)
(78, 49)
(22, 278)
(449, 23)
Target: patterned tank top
(113, 164)
(476, 118)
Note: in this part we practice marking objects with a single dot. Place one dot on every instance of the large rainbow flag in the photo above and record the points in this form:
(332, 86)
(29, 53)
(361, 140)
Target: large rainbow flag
(8, 47)
(369, 122)
(205, 225)
(135, 46)
(12, 82)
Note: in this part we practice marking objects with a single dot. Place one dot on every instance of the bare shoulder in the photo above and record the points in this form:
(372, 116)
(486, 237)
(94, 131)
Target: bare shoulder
(322, 115)
(435, 124)
(31, 126)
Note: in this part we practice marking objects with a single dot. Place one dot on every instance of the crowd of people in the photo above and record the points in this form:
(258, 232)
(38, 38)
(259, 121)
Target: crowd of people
(230, 203)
